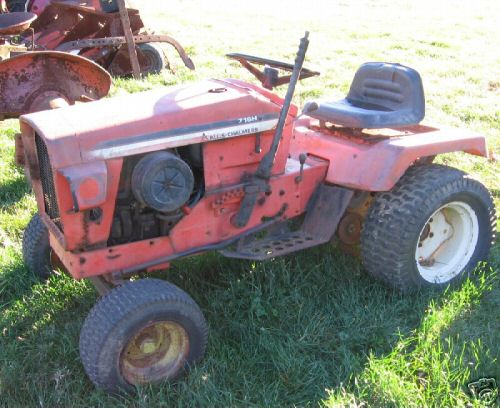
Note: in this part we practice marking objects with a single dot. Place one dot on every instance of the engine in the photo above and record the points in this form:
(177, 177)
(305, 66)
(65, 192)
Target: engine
(156, 191)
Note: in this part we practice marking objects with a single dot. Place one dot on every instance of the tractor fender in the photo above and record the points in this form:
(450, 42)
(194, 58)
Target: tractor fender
(374, 163)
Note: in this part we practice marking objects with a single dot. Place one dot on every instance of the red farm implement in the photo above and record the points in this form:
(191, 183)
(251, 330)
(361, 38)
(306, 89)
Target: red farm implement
(104, 31)
(57, 54)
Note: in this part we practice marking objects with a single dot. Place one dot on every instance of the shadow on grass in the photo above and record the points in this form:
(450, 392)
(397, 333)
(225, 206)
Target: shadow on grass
(284, 330)
(12, 191)
(16, 282)
(281, 332)
(431, 366)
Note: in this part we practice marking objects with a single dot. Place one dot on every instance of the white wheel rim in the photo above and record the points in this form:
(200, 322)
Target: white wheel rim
(447, 242)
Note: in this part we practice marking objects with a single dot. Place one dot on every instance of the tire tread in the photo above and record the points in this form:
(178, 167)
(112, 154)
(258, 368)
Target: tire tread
(393, 219)
(115, 306)
(36, 248)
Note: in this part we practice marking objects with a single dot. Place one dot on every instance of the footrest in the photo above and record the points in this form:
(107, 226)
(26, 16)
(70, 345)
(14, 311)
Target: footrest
(325, 210)
(271, 247)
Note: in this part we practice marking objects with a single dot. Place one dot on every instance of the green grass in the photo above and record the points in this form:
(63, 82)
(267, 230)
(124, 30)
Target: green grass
(311, 328)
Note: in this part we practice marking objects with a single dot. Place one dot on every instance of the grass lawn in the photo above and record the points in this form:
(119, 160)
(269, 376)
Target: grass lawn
(311, 328)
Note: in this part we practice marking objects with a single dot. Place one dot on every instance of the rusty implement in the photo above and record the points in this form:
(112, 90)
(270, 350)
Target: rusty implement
(36, 81)
(117, 68)
(112, 39)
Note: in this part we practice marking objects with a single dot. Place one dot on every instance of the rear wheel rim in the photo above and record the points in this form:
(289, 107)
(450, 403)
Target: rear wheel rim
(148, 63)
(447, 242)
(151, 61)
(157, 351)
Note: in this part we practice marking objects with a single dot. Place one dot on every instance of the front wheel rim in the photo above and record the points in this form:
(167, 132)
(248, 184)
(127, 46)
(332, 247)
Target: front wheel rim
(157, 351)
(447, 242)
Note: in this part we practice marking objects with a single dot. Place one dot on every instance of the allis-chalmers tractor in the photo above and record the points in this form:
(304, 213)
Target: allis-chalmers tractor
(130, 184)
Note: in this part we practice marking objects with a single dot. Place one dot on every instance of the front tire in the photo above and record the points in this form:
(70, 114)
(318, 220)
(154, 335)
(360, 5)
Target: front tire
(430, 230)
(36, 248)
(141, 332)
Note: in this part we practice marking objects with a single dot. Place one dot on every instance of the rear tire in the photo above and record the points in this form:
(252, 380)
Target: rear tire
(430, 230)
(36, 248)
(155, 60)
(141, 332)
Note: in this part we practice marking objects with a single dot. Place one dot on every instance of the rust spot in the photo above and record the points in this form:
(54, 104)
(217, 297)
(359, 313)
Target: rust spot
(85, 238)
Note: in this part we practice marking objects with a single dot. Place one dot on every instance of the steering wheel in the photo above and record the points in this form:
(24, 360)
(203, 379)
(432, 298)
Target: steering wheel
(269, 76)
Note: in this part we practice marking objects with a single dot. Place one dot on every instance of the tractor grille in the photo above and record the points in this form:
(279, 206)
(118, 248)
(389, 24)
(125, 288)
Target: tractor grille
(47, 179)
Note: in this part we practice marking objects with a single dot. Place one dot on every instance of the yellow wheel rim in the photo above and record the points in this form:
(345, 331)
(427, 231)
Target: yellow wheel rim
(158, 351)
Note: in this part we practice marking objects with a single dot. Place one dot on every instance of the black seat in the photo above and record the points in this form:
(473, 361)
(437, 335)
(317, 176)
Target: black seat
(381, 95)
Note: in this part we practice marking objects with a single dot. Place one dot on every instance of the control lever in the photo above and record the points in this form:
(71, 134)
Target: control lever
(259, 181)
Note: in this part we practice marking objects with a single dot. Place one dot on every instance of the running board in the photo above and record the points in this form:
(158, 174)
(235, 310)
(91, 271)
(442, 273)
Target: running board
(326, 208)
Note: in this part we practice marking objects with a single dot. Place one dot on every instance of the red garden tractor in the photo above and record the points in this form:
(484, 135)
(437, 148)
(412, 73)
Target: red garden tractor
(130, 184)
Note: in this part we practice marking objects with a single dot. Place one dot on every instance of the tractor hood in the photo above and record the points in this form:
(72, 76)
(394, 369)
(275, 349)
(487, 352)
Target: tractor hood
(153, 120)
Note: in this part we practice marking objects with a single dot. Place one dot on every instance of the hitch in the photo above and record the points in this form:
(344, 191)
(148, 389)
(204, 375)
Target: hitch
(259, 182)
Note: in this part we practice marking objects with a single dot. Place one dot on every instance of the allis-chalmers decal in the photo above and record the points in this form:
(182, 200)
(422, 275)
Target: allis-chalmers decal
(182, 136)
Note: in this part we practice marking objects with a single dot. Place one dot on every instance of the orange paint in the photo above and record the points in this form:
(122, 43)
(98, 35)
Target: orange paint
(87, 145)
